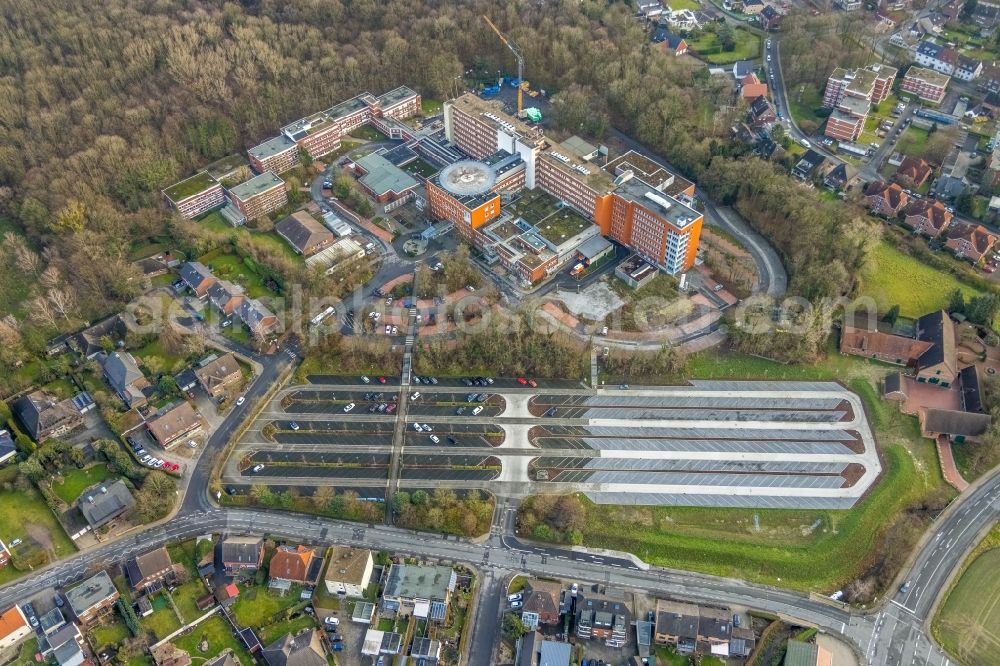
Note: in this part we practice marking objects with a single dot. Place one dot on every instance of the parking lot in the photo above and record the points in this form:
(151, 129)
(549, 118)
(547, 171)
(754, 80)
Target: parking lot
(760, 444)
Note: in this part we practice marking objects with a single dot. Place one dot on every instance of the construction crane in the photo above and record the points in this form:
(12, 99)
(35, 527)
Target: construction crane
(520, 63)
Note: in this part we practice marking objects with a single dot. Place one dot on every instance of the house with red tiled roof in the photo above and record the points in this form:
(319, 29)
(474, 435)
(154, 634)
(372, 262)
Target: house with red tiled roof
(751, 87)
(885, 199)
(927, 216)
(913, 172)
(296, 564)
(970, 241)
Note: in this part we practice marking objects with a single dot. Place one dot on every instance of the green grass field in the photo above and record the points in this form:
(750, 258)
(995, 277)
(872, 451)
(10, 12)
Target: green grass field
(109, 633)
(163, 621)
(219, 635)
(25, 514)
(913, 142)
(708, 47)
(894, 278)
(273, 632)
(186, 598)
(232, 267)
(968, 623)
(677, 5)
(803, 549)
(256, 606)
(75, 481)
(26, 653)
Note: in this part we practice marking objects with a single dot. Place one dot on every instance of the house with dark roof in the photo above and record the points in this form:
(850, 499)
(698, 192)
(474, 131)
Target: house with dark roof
(197, 277)
(426, 589)
(886, 199)
(714, 630)
(970, 241)
(840, 177)
(304, 233)
(241, 554)
(602, 618)
(296, 564)
(90, 341)
(226, 296)
(103, 502)
(955, 424)
(927, 216)
(44, 417)
(771, 18)
(258, 319)
(148, 571)
(808, 165)
(672, 43)
(545, 599)
(303, 649)
(741, 68)
(761, 113)
(219, 375)
(972, 400)
(123, 375)
(7, 447)
(913, 172)
(929, 355)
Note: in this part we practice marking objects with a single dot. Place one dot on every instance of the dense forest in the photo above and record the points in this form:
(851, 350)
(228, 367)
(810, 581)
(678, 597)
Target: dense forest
(104, 104)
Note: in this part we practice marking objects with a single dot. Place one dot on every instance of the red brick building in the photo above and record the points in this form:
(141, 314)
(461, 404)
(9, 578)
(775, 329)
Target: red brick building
(926, 84)
(885, 199)
(927, 216)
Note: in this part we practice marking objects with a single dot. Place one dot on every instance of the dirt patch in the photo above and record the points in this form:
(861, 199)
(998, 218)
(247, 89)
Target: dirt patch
(41, 536)
(595, 302)
(852, 474)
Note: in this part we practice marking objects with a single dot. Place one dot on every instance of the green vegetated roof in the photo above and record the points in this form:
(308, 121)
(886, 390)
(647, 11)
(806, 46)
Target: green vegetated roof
(199, 182)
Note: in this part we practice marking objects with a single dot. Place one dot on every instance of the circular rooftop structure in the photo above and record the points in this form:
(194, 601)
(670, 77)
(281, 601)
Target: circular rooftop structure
(467, 178)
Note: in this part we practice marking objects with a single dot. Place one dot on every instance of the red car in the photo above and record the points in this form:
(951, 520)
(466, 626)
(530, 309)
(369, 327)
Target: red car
(532, 383)
(522, 381)
(381, 380)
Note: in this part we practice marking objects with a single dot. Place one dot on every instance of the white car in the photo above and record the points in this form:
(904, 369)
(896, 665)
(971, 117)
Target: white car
(145, 459)
(388, 329)
(159, 463)
(604, 331)
(348, 407)
(418, 427)
(511, 598)
(257, 468)
(378, 315)
(415, 395)
(477, 410)
(434, 438)
(192, 444)
(293, 425)
(15, 542)
(469, 287)
(365, 379)
(240, 400)
(388, 301)
(427, 428)
(331, 621)
(395, 330)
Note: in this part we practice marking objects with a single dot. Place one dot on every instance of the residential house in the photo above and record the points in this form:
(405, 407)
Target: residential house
(349, 571)
(296, 564)
(807, 654)
(753, 7)
(65, 645)
(186, 379)
(543, 598)
(968, 68)
(929, 355)
(147, 572)
(677, 625)
(168, 654)
(219, 375)
(751, 87)
(303, 649)
(242, 554)
(13, 628)
(225, 659)
(226, 296)
(103, 502)
(304, 233)
(741, 68)
(425, 651)
(123, 375)
(44, 417)
(771, 18)
(672, 43)
(913, 172)
(197, 277)
(761, 113)
(971, 394)
(426, 589)
(927, 216)
(602, 618)
(940, 58)
(90, 341)
(92, 598)
(841, 177)
(7, 447)
(258, 319)
(848, 5)
(227, 594)
(714, 630)
(650, 8)
(170, 426)
(970, 241)
(808, 165)
(683, 20)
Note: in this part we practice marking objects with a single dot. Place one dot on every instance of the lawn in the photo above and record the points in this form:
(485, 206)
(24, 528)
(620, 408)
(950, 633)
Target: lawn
(163, 621)
(894, 278)
(186, 598)
(26, 653)
(256, 606)
(429, 107)
(707, 47)
(968, 623)
(232, 267)
(273, 632)
(109, 633)
(803, 549)
(75, 481)
(24, 514)
(153, 355)
(220, 636)
(913, 142)
(677, 5)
